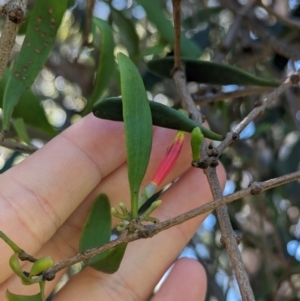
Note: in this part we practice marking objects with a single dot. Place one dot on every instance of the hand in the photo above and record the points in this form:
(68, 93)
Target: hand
(45, 199)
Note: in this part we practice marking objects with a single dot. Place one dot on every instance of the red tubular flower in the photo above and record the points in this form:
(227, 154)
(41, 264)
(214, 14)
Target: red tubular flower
(169, 160)
(164, 168)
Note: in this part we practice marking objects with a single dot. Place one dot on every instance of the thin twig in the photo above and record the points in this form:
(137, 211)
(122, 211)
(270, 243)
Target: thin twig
(279, 46)
(229, 239)
(89, 17)
(177, 27)
(185, 96)
(15, 11)
(179, 72)
(290, 22)
(232, 136)
(18, 146)
(210, 98)
(88, 25)
(151, 230)
(259, 28)
(233, 31)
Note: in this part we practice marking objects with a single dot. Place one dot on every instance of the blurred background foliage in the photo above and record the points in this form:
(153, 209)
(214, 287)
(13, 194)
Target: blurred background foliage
(262, 41)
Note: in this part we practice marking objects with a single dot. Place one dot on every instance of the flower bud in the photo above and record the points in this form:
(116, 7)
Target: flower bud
(41, 265)
(196, 141)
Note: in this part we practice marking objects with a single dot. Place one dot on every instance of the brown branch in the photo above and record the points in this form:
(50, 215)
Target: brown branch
(179, 72)
(228, 237)
(15, 11)
(177, 27)
(88, 25)
(151, 230)
(89, 16)
(210, 98)
(185, 96)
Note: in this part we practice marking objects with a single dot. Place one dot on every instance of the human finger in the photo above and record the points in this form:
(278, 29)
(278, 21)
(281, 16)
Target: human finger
(186, 281)
(60, 243)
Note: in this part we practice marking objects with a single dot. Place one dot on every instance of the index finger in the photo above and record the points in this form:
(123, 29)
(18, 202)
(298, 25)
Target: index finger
(39, 194)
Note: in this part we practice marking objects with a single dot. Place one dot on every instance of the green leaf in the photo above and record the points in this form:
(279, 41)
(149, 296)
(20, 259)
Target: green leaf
(111, 108)
(164, 26)
(110, 261)
(128, 34)
(15, 266)
(96, 232)
(12, 297)
(24, 25)
(19, 126)
(106, 64)
(208, 73)
(97, 228)
(138, 126)
(29, 108)
(45, 19)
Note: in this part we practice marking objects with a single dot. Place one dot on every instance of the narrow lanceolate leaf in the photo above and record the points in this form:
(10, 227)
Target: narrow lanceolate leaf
(111, 108)
(106, 64)
(138, 126)
(96, 232)
(208, 73)
(12, 297)
(164, 26)
(45, 19)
